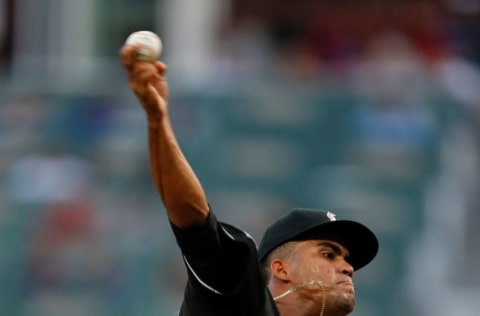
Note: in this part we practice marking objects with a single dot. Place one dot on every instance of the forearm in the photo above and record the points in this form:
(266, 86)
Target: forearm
(176, 182)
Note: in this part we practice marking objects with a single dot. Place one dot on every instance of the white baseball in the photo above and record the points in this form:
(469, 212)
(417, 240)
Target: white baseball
(150, 45)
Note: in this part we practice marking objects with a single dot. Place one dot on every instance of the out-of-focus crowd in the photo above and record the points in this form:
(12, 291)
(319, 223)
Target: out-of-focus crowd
(372, 110)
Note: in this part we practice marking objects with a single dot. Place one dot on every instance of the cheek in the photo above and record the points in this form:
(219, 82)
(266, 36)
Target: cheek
(314, 271)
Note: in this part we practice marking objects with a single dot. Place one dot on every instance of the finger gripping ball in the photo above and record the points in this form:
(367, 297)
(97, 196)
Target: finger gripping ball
(149, 45)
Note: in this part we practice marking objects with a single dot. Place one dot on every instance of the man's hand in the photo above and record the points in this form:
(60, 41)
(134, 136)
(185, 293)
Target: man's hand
(147, 80)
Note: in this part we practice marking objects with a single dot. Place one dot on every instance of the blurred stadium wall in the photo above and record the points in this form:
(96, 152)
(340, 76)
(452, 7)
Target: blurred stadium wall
(368, 108)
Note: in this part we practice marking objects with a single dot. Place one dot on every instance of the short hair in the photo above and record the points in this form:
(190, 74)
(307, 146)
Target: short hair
(282, 252)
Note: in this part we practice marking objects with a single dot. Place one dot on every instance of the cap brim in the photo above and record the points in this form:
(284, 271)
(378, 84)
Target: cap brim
(357, 238)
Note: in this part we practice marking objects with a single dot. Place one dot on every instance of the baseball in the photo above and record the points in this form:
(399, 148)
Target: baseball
(150, 45)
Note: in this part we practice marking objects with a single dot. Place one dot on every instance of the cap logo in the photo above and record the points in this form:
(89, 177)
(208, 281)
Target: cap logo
(331, 216)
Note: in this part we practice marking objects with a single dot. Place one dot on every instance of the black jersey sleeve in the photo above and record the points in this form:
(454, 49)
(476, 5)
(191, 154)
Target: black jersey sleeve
(224, 275)
(217, 255)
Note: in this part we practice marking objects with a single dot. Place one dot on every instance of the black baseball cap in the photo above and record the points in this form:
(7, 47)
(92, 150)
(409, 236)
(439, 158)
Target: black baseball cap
(303, 224)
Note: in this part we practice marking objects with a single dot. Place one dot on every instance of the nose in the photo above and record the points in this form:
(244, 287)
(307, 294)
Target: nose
(346, 268)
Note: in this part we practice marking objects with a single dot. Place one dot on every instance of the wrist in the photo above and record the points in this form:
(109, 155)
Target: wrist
(156, 120)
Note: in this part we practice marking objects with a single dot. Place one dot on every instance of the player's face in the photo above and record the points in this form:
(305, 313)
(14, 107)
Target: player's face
(325, 261)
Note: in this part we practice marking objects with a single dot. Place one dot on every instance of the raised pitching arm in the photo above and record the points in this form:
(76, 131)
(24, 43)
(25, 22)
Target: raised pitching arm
(178, 186)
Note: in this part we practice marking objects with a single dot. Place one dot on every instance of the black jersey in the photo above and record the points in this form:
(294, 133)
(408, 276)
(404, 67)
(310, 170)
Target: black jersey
(224, 275)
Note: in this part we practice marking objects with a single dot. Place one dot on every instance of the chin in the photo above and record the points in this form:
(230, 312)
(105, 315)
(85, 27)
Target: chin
(347, 304)
(343, 300)
(347, 308)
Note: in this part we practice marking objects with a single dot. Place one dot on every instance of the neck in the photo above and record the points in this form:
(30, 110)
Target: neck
(291, 303)
(307, 299)
(304, 309)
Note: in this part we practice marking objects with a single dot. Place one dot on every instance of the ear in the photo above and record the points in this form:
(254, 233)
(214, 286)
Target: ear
(280, 270)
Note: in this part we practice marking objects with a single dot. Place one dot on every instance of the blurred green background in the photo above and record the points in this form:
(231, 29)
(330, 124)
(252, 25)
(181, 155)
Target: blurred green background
(369, 108)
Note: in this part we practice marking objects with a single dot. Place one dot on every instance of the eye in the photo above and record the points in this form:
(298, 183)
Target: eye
(328, 254)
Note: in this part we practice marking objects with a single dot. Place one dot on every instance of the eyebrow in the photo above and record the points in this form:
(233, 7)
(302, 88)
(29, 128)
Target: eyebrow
(339, 251)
